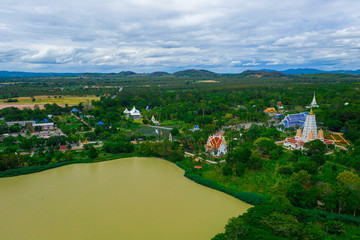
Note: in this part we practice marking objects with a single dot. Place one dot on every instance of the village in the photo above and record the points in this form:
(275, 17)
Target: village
(213, 151)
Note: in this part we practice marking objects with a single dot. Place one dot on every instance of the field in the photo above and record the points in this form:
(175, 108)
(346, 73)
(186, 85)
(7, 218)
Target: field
(27, 102)
(208, 81)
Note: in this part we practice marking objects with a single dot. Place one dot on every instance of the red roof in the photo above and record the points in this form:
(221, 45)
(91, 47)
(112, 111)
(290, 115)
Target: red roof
(214, 142)
(279, 103)
(63, 147)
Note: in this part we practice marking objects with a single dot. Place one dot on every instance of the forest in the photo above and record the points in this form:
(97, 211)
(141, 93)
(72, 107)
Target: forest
(300, 194)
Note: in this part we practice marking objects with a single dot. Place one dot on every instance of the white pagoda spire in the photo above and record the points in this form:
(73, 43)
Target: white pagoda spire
(313, 103)
(310, 129)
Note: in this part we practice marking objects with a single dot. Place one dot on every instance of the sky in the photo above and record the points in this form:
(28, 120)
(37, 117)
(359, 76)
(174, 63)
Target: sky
(224, 36)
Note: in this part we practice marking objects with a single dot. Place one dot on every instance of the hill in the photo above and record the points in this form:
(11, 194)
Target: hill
(126, 73)
(196, 73)
(251, 73)
(158, 74)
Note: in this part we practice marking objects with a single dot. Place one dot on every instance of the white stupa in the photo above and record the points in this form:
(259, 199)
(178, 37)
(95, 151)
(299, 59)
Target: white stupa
(309, 128)
(313, 103)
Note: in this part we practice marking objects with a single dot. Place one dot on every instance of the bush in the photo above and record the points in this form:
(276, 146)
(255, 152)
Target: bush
(227, 170)
(286, 170)
(92, 153)
(334, 227)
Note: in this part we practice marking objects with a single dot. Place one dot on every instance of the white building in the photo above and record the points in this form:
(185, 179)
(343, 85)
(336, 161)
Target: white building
(136, 114)
(45, 126)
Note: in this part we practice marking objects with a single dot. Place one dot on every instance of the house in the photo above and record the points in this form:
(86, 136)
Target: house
(196, 128)
(45, 126)
(279, 106)
(270, 111)
(63, 148)
(134, 113)
(74, 110)
(216, 145)
(21, 123)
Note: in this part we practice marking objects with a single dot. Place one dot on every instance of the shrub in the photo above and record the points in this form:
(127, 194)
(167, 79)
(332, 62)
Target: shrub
(286, 170)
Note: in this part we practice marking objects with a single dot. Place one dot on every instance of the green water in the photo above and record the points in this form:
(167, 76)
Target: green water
(132, 198)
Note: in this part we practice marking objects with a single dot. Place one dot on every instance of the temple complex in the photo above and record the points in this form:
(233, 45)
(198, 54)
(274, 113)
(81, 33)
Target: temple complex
(308, 133)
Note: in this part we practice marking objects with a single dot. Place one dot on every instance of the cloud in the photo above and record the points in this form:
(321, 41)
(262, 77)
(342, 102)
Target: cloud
(167, 35)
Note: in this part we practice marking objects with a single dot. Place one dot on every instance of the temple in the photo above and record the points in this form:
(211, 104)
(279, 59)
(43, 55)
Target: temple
(294, 120)
(308, 133)
(216, 144)
(134, 113)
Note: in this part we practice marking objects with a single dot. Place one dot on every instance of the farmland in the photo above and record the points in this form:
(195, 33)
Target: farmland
(40, 101)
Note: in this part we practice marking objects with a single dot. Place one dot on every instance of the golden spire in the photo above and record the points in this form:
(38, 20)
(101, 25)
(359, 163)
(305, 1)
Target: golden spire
(311, 112)
(311, 135)
(298, 133)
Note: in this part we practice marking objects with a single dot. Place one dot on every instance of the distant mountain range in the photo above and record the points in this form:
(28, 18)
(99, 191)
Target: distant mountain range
(186, 73)
(311, 71)
(7, 74)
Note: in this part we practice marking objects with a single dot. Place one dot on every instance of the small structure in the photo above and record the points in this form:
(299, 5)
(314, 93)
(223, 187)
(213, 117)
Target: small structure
(126, 112)
(170, 137)
(100, 123)
(216, 145)
(294, 120)
(309, 133)
(270, 110)
(74, 110)
(153, 120)
(21, 123)
(45, 126)
(196, 128)
(63, 148)
(279, 106)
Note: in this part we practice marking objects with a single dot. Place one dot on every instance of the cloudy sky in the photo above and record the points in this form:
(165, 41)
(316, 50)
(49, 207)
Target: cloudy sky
(224, 36)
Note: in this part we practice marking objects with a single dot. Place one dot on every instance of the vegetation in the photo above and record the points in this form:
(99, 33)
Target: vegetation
(297, 194)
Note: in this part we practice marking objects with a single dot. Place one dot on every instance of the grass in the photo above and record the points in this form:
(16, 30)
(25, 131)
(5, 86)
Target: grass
(70, 100)
(264, 179)
(150, 131)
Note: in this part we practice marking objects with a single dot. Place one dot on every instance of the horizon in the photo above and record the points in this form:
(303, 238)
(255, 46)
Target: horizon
(266, 70)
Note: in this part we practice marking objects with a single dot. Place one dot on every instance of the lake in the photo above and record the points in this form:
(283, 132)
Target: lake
(130, 198)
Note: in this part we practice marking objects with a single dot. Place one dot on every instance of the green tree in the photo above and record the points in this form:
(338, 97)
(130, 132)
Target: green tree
(239, 169)
(302, 176)
(354, 201)
(315, 147)
(236, 229)
(349, 180)
(92, 152)
(331, 201)
(227, 170)
(239, 154)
